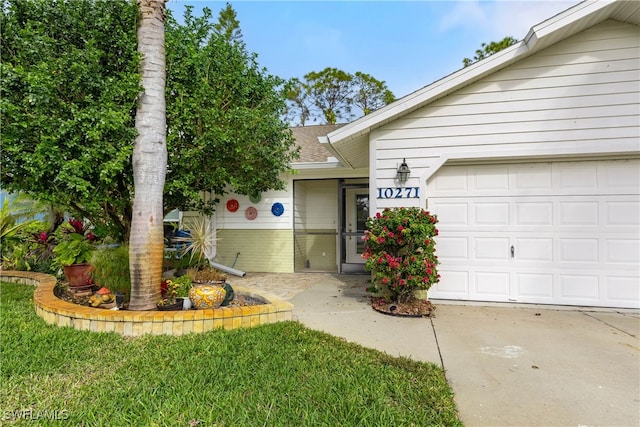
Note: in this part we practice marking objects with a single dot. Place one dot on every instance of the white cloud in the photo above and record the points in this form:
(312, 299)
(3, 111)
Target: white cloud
(462, 14)
(502, 18)
(515, 18)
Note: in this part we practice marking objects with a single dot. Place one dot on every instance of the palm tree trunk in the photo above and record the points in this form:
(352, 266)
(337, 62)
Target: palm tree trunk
(146, 244)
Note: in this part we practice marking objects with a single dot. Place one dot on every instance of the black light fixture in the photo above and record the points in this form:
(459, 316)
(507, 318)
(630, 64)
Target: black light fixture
(403, 171)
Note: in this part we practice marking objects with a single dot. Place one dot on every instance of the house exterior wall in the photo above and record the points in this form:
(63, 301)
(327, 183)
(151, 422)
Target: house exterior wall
(261, 250)
(577, 98)
(264, 243)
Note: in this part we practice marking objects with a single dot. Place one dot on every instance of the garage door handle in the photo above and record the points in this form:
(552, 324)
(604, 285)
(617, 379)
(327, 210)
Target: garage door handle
(513, 251)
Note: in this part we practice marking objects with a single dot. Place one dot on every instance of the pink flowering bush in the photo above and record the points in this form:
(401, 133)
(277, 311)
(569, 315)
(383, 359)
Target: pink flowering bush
(400, 251)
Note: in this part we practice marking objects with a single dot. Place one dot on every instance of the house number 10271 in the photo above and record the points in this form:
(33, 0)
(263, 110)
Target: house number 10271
(398, 193)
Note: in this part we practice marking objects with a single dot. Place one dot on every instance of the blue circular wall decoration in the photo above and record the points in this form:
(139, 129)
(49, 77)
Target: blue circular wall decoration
(277, 209)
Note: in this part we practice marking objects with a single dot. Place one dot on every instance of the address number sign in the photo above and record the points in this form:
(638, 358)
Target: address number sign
(399, 193)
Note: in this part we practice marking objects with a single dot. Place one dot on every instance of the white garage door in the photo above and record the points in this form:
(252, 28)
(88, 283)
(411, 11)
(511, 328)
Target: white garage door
(551, 233)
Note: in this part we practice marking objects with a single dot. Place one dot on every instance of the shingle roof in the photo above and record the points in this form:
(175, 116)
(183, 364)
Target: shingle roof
(311, 150)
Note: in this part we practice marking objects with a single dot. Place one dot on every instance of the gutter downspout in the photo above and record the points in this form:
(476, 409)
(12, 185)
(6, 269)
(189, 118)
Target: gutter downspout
(227, 269)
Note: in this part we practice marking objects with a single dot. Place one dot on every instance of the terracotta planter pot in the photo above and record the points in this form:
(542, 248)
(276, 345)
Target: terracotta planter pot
(77, 275)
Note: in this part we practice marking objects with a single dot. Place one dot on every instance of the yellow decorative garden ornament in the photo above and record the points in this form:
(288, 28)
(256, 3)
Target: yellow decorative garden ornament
(207, 295)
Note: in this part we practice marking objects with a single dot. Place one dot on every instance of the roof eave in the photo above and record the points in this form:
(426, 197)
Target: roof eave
(317, 165)
(327, 144)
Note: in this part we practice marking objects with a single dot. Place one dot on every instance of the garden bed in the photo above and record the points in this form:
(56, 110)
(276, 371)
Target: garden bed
(412, 308)
(137, 323)
(65, 294)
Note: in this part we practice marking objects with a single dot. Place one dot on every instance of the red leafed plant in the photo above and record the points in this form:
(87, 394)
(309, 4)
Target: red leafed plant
(76, 243)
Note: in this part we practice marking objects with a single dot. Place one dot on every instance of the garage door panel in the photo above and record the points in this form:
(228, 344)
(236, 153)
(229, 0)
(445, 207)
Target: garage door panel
(489, 179)
(491, 248)
(578, 213)
(579, 287)
(534, 249)
(624, 177)
(451, 213)
(453, 284)
(579, 250)
(528, 177)
(534, 213)
(623, 251)
(577, 177)
(625, 291)
(534, 287)
(491, 213)
(623, 213)
(574, 228)
(492, 284)
(451, 182)
(453, 248)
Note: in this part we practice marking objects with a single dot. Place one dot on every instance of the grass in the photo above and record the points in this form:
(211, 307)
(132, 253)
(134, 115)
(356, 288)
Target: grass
(281, 374)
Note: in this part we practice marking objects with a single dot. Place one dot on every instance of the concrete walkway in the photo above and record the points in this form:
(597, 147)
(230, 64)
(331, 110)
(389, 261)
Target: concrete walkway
(508, 365)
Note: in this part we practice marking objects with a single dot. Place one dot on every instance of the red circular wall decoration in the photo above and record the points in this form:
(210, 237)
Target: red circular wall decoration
(251, 213)
(232, 205)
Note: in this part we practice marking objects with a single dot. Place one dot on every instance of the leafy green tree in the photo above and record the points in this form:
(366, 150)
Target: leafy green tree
(223, 115)
(298, 110)
(146, 244)
(68, 100)
(228, 25)
(489, 49)
(332, 95)
(67, 105)
(370, 94)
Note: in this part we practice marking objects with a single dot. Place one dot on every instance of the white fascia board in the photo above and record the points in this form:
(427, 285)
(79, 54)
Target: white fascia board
(317, 165)
(565, 19)
(325, 141)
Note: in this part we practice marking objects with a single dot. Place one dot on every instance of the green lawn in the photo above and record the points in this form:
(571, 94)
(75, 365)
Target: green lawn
(273, 375)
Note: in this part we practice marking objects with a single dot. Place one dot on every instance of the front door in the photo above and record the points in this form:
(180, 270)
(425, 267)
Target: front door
(356, 214)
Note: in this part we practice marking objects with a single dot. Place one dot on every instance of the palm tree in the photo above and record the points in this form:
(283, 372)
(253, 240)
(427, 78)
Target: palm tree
(146, 243)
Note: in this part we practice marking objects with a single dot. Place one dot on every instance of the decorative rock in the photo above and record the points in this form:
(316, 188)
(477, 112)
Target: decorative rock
(98, 300)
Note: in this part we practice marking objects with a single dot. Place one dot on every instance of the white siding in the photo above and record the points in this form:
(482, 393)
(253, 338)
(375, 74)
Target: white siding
(265, 219)
(580, 96)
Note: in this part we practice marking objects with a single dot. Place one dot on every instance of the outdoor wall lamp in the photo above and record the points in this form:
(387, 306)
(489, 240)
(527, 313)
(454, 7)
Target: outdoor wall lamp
(403, 171)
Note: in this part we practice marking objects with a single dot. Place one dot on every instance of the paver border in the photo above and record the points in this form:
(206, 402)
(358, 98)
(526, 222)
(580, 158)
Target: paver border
(137, 323)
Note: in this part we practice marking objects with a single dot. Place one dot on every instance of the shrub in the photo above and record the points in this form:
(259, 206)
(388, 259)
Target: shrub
(111, 269)
(400, 251)
(30, 249)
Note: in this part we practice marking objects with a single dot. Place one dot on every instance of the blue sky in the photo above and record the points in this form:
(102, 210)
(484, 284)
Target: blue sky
(407, 44)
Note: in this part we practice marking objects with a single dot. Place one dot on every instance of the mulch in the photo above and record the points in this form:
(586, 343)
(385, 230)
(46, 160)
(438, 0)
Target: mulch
(411, 308)
(65, 294)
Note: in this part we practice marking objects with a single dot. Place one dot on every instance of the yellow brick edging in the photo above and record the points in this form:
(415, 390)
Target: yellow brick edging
(137, 323)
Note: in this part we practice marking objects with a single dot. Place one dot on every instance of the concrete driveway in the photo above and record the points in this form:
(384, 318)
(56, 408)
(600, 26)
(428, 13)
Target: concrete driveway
(508, 365)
